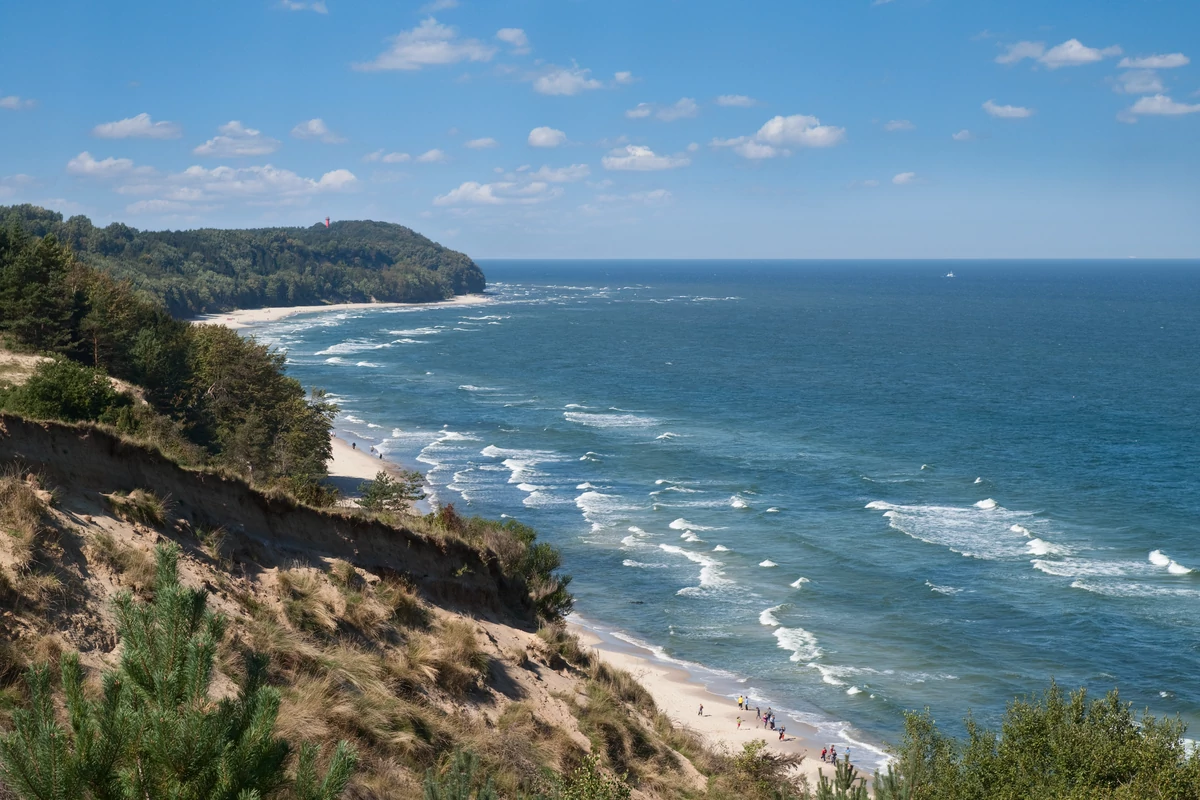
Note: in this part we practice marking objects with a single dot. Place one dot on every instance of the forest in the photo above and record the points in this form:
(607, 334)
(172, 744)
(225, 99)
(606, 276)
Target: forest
(209, 270)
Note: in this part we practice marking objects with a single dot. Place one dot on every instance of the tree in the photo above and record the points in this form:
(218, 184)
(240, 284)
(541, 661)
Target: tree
(36, 302)
(847, 784)
(460, 781)
(153, 732)
(386, 493)
(62, 389)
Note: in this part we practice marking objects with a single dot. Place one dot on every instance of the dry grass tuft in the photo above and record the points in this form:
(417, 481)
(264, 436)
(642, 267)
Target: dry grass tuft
(22, 508)
(300, 590)
(212, 541)
(461, 661)
(564, 644)
(140, 506)
(402, 602)
(136, 567)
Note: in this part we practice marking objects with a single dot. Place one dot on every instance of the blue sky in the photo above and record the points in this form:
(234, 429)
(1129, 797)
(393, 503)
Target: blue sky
(612, 128)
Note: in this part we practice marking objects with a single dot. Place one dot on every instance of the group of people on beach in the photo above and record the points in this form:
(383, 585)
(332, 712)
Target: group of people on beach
(767, 719)
(829, 754)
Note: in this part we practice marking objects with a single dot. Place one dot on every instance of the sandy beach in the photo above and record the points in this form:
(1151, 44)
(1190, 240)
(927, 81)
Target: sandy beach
(247, 317)
(679, 695)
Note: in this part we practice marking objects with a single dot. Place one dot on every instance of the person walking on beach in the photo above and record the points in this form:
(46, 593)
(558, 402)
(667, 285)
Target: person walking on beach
(757, 713)
(700, 713)
(739, 723)
(824, 752)
(741, 700)
(782, 731)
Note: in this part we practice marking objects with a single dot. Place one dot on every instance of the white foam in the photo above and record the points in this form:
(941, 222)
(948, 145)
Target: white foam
(1021, 529)
(368, 364)
(688, 536)
(796, 584)
(631, 563)
(585, 486)
(598, 503)
(667, 435)
(590, 456)
(737, 502)
(466, 387)
(947, 590)
(609, 420)
(720, 549)
(711, 576)
(416, 332)
(335, 360)
(979, 480)
(853, 690)
(1159, 559)
(986, 505)
(803, 644)
(632, 528)
(963, 530)
(682, 524)
(1178, 569)
(529, 487)
(351, 346)
(1039, 547)
(767, 564)
(772, 510)
(768, 618)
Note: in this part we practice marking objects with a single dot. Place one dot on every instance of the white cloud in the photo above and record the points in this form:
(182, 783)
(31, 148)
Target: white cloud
(963, 136)
(500, 193)
(904, 178)
(546, 137)
(565, 81)
(387, 158)
(694, 147)
(1164, 61)
(13, 103)
(1071, 53)
(624, 78)
(439, 5)
(317, 130)
(434, 156)
(236, 140)
(482, 144)
(429, 44)
(683, 108)
(84, 164)
(779, 133)
(516, 38)
(1007, 112)
(641, 159)
(1138, 81)
(571, 174)
(140, 126)
(1161, 105)
(898, 125)
(256, 182)
(736, 101)
(296, 5)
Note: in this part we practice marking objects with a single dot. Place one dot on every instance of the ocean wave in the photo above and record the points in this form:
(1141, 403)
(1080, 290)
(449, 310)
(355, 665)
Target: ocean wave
(680, 489)
(1039, 547)
(979, 480)
(631, 563)
(796, 584)
(767, 563)
(466, 387)
(667, 435)
(682, 524)
(688, 536)
(720, 549)
(946, 590)
(416, 332)
(351, 346)
(738, 502)
(593, 503)
(853, 690)
(1021, 529)
(963, 530)
(768, 617)
(711, 576)
(335, 360)
(802, 644)
(590, 456)
(987, 505)
(772, 510)
(585, 486)
(609, 420)
(1133, 590)
(1087, 568)
(354, 419)
(368, 364)
(1160, 559)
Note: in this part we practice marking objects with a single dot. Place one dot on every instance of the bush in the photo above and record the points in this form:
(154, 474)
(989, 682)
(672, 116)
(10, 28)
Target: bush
(64, 390)
(386, 493)
(140, 506)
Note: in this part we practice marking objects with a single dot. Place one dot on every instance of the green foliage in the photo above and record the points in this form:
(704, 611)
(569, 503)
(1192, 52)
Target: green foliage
(460, 781)
(847, 784)
(153, 732)
(756, 771)
(588, 782)
(62, 389)
(213, 396)
(386, 493)
(202, 271)
(1053, 746)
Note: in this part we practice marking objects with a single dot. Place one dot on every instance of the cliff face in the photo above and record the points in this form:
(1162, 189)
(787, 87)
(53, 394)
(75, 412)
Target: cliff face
(260, 528)
(409, 645)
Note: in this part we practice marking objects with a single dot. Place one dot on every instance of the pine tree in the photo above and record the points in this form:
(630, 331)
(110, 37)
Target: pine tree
(846, 785)
(153, 732)
(459, 782)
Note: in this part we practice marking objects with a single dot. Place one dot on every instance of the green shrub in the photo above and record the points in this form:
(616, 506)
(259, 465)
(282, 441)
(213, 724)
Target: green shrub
(64, 390)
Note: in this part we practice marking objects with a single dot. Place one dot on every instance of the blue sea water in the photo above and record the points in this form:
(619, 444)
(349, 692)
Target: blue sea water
(859, 488)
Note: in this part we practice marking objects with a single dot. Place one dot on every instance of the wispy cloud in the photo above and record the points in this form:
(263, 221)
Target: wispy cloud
(14, 103)
(1007, 112)
(1160, 105)
(1071, 53)
(899, 125)
(736, 101)
(566, 81)
(387, 158)
(472, 193)
(904, 178)
(316, 130)
(434, 156)
(236, 140)
(641, 159)
(296, 5)
(963, 136)
(429, 44)
(779, 134)
(546, 136)
(683, 108)
(1165, 61)
(140, 126)
(483, 143)
(514, 38)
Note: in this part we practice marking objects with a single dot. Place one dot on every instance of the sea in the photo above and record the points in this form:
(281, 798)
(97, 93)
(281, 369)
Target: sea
(846, 489)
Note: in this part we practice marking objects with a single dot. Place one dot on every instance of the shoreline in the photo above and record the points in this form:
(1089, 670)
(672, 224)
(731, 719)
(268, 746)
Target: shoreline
(241, 318)
(679, 695)
(675, 689)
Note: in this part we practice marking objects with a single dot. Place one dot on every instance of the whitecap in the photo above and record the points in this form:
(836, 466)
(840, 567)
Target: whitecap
(853, 690)
(335, 360)
(720, 549)
(711, 576)
(608, 420)
(772, 510)
(768, 617)
(682, 524)
(1039, 547)
(737, 502)
(946, 590)
(688, 536)
(1178, 569)
(796, 584)
(1021, 529)
(466, 387)
(986, 505)
(979, 480)
(585, 485)
(368, 364)
(631, 563)
(802, 643)
(667, 435)
(767, 564)
(1159, 559)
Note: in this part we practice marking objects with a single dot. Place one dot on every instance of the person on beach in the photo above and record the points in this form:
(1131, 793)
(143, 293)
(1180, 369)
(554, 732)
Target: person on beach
(782, 731)
(741, 700)
(354, 445)
(757, 713)
(824, 752)
(739, 723)
(700, 713)
(833, 754)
